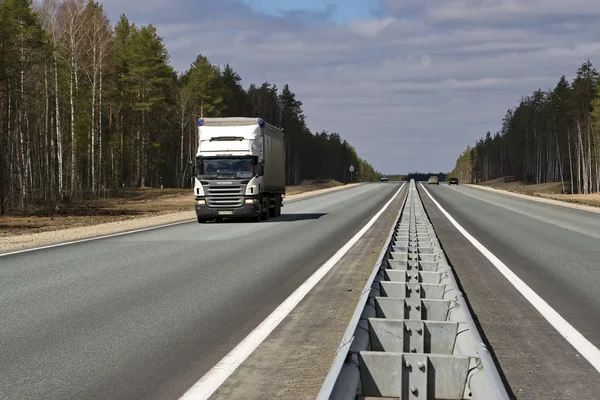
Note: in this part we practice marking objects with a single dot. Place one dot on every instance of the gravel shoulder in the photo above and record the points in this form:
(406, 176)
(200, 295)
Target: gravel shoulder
(173, 208)
(563, 200)
(556, 193)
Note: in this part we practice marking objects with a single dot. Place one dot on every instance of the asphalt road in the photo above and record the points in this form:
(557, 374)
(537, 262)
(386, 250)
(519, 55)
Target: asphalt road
(146, 315)
(555, 251)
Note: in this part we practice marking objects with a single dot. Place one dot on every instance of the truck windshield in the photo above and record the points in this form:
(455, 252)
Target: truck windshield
(223, 168)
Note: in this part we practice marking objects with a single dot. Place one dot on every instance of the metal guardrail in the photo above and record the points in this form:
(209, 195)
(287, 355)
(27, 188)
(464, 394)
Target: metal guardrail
(412, 335)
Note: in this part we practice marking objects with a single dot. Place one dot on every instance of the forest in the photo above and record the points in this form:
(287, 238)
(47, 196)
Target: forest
(550, 136)
(90, 107)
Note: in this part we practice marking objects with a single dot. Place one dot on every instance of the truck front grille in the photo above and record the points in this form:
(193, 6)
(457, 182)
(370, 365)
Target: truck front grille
(224, 196)
(228, 190)
(224, 202)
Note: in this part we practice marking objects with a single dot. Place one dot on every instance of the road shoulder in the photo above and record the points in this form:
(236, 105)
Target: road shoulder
(536, 198)
(28, 241)
(536, 361)
(293, 361)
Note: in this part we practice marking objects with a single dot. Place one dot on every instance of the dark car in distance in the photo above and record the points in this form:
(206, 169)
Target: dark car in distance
(453, 181)
(384, 179)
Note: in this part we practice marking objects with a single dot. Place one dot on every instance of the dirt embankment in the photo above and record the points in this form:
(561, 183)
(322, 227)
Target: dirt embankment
(133, 209)
(553, 191)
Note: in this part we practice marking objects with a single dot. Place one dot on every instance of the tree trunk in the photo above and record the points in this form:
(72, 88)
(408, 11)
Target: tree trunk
(560, 168)
(100, 170)
(584, 169)
(73, 143)
(122, 135)
(144, 149)
(48, 139)
(181, 150)
(93, 132)
(59, 152)
(22, 157)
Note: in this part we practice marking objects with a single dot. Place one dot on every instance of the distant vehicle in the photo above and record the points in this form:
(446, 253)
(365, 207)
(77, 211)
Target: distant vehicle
(239, 170)
(384, 179)
(433, 180)
(453, 181)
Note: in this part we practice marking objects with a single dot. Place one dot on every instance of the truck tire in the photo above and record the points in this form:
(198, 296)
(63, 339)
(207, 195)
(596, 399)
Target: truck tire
(277, 205)
(271, 208)
(265, 209)
(259, 216)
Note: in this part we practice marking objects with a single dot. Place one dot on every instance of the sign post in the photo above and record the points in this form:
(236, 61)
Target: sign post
(351, 172)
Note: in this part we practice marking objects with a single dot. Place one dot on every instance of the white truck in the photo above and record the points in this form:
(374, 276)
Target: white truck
(239, 171)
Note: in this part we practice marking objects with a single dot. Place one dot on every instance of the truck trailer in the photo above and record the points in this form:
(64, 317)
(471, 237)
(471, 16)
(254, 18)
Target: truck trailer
(239, 171)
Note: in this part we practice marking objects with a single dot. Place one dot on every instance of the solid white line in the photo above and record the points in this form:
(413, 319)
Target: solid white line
(214, 378)
(577, 340)
(96, 238)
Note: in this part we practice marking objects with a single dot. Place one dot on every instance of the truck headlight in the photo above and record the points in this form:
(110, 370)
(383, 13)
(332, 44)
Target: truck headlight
(250, 201)
(201, 202)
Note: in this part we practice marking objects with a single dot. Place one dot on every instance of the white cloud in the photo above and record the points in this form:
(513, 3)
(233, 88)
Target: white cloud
(419, 73)
(370, 28)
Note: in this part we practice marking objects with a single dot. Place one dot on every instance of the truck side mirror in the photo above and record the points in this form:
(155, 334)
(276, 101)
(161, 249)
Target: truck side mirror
(260, 169)
(192, 169)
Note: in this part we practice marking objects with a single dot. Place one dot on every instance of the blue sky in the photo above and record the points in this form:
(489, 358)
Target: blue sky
(341, 11)
(410, 83)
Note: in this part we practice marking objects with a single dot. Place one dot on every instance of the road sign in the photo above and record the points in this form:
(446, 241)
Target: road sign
(352, 168)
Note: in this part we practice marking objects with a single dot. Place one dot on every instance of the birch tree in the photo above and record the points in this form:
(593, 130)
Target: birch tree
(71, 25)
(96, 45)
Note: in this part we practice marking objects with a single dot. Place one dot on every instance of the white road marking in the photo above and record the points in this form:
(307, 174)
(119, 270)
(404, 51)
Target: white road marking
(214, 378)
(49, 246)
(576, 339)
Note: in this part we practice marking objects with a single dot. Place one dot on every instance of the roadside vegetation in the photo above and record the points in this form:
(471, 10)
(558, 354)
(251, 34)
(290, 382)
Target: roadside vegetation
(88, 107)
(551, 137)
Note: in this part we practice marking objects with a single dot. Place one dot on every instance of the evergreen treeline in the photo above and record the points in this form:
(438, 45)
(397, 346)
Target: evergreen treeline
(550, 136)
(87, 107)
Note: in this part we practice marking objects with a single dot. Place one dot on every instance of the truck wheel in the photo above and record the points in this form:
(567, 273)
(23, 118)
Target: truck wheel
(277, 206)
(273, 210)
(258, 217)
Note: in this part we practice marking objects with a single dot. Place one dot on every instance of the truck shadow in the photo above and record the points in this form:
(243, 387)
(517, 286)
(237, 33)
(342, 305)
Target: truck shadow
(296, 217)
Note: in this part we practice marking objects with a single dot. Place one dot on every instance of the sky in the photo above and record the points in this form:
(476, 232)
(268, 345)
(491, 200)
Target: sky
(409, 83)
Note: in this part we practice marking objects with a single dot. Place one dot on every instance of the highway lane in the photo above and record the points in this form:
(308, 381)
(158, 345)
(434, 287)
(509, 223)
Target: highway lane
(555, 251)
(146, 315)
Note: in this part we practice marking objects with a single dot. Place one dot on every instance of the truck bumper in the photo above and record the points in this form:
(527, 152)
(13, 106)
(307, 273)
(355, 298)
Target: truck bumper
(246, 211)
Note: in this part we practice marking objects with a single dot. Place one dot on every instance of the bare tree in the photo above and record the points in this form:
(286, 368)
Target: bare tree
(71, 26)
(49, 13)
(184, 101)
(97, 35)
